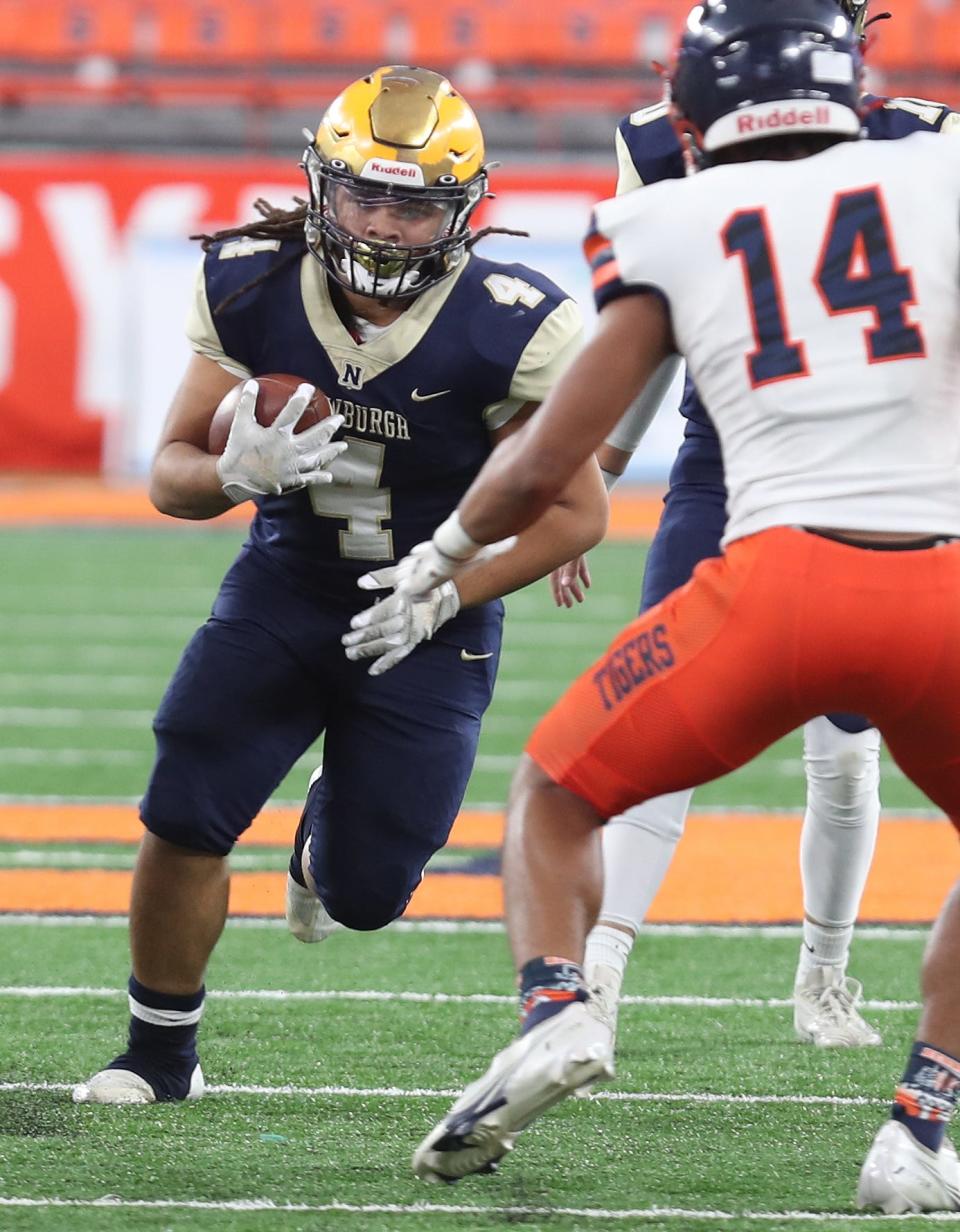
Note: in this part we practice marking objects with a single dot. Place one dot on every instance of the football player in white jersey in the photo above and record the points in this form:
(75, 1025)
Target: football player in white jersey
(826, 342)
(841, 755)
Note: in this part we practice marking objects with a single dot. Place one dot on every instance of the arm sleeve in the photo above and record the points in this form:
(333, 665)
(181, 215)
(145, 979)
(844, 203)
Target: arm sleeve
(639, 414)
(202, 333)
(543, 361)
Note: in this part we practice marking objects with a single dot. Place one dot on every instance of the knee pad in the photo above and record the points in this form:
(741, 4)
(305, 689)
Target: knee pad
(664, 816)
(842, 768)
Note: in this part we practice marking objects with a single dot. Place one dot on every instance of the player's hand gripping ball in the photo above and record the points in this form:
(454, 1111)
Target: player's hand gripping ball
(273, 394)
(275, 436)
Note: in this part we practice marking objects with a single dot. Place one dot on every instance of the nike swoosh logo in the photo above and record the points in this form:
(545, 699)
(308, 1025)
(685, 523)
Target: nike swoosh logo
(417, 396)
(473, 658)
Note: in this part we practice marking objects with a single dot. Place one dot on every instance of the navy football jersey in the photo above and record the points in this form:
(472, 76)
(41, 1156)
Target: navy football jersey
(420, 397)
(648, 150)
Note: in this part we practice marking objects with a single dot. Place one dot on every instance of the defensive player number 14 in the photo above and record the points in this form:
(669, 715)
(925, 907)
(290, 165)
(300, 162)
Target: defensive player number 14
(858, 271)
(356, 498)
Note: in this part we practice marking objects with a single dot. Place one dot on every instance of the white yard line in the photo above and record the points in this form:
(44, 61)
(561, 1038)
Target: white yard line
(80, 682)
(73, 716)
(684, 1217)
(30, 756)
(620, 1097)
(770, 932)
(760, 811)
(265, 860)
(40, 991)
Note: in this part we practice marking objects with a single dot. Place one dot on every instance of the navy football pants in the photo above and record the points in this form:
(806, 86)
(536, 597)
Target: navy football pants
(261, 680)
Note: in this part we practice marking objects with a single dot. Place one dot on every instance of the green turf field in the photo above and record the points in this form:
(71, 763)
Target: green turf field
(92, 623)
(707, 1111)
(329, 1063)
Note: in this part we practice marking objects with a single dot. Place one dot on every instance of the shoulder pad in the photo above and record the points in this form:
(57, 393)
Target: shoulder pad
(890, 118)
(651, 145)
(233, 263)
(515, 284)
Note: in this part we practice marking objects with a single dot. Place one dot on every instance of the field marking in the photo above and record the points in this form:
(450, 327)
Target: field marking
(261, 1205)
(266, 860)
(73, 716)
(758, 812)
(39, 991)
(523, 632)
(82, 682)
(729, 869)
(33, 755)
(768, 932)
(619, 1097)
(82, 504)
(30, 755)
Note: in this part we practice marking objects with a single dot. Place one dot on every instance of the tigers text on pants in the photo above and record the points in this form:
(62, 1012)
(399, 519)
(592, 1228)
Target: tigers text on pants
(786, 625)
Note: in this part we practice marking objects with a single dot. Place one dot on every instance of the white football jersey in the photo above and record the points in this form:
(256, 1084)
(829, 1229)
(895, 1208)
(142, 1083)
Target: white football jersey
(817, 302)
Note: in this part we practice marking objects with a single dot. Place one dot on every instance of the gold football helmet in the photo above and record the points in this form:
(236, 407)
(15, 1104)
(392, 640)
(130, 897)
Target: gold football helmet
(400, 137)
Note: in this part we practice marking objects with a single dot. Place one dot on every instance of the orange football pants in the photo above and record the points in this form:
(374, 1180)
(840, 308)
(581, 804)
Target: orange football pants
(786, 625)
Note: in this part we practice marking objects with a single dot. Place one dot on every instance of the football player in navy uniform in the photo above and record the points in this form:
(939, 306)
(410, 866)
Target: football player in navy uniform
(841, 751)
(429, 355)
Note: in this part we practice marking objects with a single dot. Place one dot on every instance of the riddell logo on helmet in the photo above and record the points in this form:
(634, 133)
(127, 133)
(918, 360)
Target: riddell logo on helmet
(791, 117)
(394, 170)
(388, 172)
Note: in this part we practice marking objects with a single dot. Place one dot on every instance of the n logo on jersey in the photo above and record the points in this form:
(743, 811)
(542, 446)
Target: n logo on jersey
(351, 376)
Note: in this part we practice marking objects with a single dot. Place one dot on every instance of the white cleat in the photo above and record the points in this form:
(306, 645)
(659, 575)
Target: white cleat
(536, 1071)
(900, 1175)
(826, 1011)
(604, 984)
(123, 1086)
(307, 918)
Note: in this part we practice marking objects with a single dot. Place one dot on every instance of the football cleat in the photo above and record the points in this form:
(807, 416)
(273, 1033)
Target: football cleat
(123, 1086)
(900, 1175)
(604, 1004)
(826, 1013)
(553, 1060)
(307, 918)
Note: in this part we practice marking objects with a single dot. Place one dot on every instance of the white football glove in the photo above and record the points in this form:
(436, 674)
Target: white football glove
(259, 461)
(447, 554)
(394, 626)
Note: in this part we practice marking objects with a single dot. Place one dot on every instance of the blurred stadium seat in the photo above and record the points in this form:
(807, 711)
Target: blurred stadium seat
(542, 57)
(322, 30)
(570, 34)
(65, 29)
(209, 31)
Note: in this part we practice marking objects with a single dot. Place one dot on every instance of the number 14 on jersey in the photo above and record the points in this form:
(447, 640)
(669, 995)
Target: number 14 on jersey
(858, 271)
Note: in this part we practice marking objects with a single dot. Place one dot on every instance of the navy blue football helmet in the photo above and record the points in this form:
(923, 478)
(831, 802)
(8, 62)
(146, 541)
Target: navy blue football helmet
(746, 69)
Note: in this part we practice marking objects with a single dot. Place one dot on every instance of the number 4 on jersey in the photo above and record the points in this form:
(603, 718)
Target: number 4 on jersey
(857, 272)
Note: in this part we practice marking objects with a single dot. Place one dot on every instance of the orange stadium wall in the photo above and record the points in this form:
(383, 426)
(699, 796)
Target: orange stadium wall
(95, 276)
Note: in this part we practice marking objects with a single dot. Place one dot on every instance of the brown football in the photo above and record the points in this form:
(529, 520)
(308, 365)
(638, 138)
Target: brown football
(275, 391)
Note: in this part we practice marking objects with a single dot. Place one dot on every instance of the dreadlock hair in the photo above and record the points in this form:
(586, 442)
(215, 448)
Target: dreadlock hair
(277, 224)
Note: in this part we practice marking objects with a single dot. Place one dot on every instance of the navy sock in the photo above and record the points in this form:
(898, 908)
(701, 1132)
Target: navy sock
(547, 986)
(162, 1040)
(927, 1095)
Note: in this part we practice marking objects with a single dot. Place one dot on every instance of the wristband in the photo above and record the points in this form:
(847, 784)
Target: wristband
(452, 541)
